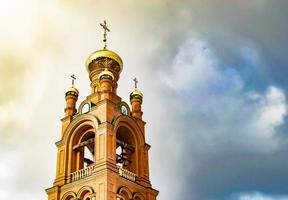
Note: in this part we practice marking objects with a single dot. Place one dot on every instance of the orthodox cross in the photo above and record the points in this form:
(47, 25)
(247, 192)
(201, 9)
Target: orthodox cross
(104, 26)
(73, 79)
(136, 82)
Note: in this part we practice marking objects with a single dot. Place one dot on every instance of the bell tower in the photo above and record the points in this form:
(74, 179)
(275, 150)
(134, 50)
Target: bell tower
(102, 153)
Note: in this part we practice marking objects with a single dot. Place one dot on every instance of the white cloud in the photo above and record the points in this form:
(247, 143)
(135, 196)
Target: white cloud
(272, 111)
(245, 118)
(195, 70)
(193, 66)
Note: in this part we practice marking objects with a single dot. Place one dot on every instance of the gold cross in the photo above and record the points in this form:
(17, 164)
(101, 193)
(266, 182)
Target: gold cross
(73, 79)
(135, 81)
(104, 26)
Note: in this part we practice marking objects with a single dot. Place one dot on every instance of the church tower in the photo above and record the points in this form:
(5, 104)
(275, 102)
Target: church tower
(102, 153)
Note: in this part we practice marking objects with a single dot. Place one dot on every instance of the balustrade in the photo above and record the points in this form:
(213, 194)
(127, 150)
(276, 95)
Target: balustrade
(126, 174)
(82, 173)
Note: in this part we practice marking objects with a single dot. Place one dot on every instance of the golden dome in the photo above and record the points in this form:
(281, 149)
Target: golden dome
(136, 94)
(104, 53)
(106, 74)
(72, 91)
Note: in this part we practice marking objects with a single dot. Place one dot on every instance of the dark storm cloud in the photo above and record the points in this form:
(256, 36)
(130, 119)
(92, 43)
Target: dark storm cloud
(230, 137)
(228, 25)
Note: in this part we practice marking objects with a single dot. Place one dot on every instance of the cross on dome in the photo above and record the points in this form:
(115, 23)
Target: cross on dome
(136, 82)
(104, 26)
(73, 79)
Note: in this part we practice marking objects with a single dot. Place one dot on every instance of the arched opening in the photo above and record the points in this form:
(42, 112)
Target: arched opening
(125, 196)
(85, 196)
(125, 149)
(86, 108)
(83, 150)
(69, 196)
(138, 196)
(124, 193)
(86, 193)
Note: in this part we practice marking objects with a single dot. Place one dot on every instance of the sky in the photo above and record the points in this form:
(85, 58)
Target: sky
(213, 74)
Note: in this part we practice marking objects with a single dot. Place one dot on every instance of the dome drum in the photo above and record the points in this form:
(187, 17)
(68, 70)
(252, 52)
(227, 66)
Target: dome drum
(98, 66)
(97, 61)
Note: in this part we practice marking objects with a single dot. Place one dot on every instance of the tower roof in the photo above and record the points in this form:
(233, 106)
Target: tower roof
(103, 53)
(136, 92)
(72, 91)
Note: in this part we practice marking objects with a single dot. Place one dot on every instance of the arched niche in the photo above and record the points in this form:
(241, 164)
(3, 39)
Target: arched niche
(85, 193)
(124, 193)
(138, 196)
(69, 196)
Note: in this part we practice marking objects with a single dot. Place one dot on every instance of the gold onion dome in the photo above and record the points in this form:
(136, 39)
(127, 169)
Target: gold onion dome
(103, 53)
(136, 94)
(72, 91)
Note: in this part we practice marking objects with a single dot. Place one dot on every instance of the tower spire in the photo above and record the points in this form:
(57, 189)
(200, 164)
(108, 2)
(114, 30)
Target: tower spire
(71, 97)
(104, 26)
(136, 98)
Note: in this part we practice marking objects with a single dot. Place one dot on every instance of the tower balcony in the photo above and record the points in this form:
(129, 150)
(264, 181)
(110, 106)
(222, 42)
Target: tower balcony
(88, 171)
(82, 173)
(126, 174)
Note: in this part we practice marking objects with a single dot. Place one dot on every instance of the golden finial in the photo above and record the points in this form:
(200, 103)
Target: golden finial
(104, 25)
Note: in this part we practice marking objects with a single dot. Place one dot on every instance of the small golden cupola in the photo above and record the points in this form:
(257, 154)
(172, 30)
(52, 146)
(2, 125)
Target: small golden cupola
(105, 79)
(136, 99)
(104, 66)
(71, 98)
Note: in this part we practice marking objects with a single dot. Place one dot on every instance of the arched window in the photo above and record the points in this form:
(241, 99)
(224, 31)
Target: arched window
(69, 196)
(86, 193)
(86, 108)
(125, 149)
(138, 196)
(124, 193)
(84, 151)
